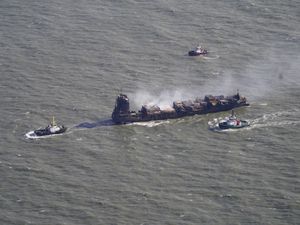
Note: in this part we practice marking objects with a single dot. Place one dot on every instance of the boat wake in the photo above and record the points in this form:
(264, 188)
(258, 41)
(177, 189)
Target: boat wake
(150, 123)
(211, 58)
(277, 119)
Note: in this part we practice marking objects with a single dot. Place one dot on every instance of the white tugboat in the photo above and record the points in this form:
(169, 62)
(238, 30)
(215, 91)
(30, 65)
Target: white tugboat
(233, 122)
(198, 51)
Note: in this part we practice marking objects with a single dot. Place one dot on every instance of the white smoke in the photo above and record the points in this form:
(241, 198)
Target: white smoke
(260, 78)
(163, 99)
(271, 76)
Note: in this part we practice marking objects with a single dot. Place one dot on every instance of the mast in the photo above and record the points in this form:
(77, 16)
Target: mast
(53, 123)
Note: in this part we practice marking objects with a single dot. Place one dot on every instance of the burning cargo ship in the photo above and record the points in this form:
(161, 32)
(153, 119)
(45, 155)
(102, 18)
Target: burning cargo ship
(210, 104)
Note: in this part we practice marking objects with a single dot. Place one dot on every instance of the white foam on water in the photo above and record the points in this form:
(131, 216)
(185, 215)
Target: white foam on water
(31, 135)
(273, 120)
(211, 58)
(150, 123)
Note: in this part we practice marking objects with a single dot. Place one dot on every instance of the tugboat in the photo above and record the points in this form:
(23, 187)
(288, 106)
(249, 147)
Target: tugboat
(51, 129)
(232, 122)
(209, 104)
(198, 51)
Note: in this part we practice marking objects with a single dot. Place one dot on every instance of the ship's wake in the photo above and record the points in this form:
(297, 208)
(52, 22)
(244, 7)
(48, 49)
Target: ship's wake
(277, 119)
(150, 123)
(211, 57)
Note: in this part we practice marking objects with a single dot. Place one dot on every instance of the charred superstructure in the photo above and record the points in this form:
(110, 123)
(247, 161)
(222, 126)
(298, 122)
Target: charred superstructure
(209, 104)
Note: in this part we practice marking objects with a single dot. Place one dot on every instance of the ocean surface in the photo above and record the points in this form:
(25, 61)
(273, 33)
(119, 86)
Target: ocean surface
(70, 59)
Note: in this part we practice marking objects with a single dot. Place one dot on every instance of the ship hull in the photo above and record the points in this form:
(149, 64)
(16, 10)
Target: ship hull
(139, 117)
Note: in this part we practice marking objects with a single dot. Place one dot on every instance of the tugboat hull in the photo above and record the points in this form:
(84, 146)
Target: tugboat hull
(194, 53)
(226, 125)
(45, 132)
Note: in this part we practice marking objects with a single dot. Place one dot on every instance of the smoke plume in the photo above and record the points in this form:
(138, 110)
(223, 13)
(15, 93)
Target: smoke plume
(270, 75)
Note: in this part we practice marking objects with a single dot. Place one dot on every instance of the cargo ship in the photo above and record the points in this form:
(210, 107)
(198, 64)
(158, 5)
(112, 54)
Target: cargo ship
(209, 104)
